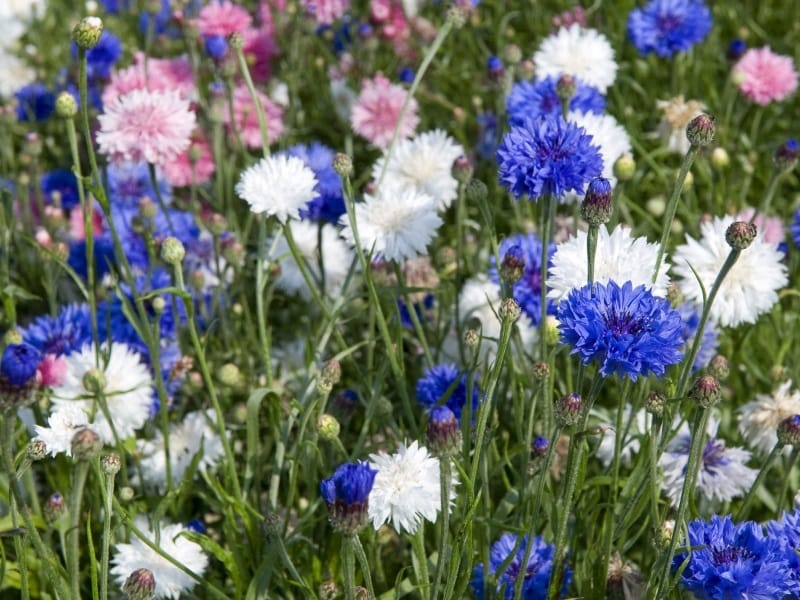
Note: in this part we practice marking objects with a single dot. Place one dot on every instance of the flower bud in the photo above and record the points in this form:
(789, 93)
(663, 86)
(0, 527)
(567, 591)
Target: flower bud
(740, 234)
(343, 164)
(140, 585)
(236, 41)
(596, 207)
(216, 224)
(66, 106)
(87, 33)
(55, 507)
(736, 48)
(495, 68)
(513, 264)
(111, 463)
(789, 432)
(551, 332)
(472, 338)
(158, 304)
(94, 381)
(567, 410)
(443, 434)
(719, 367)
(541, 371)
(328, 590)
(462, 169)
(705, 391)
(476, 192)
(509, 309)
(229, 375)
(147, 208)
(36, 450)
(126, 493)
(625, 167)
(655, 403)
(565, 87)
(720, 158)
(456, 16)
(512, 54)
(328, 427)
(785, 157)
(85, 444)
(664, 534)
(779, 374)
(656, 206)
(172, 251)
(701, 130)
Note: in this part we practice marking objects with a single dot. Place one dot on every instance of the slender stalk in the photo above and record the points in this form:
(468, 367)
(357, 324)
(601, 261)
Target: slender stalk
(591, 251)
(772, 187)
(361, 556)
(421, 563)
(260, 285)
(762, 473)
(73, 533)
(106, 542)
(672, 206)
(443, 553)
(348, 568)
(19, 544)
(548, 215)
(248, 80)
(787, 479)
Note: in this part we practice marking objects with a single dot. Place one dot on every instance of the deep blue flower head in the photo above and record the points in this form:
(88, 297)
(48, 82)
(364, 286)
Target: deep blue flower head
(733, 561)
(690, 318)
(176, 223)
(439, 379)
(102, 58)
(406, 75)
(130, 182)
(329, 205)
(421, 308)
(158, 23)
(351, 483)
(64, 182)
(527, 290)
(196, 525)
(625, 330)
(529, 99)
(63, 334)
(537, 571)
(103, 256)
(488, 131)
(540, 445)
(365, 31)
(216, 46)
(665, 27)
(19, 363)
(794, 228)
(547, 156)
(736, 48)
(34, 102)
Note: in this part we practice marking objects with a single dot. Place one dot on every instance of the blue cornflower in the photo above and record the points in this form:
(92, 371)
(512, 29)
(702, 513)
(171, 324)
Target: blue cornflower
(488, 130)
(787, 530)
(102, 58)
(527, 290)
(329, 204)
(736, 48)
(537, 571)
(530, 99)
(63, 334)
(626, 330)
(434, 385)
(733, 561)
(34, 102)
(216, 46)
(547, 156)
(421, 308)
(104, 256)
(665, 27)
(347, 495)
(65, 183)
(128, 183)
(19, 363)
(690, 318)
(794, 228)
(160, 21)
(406, 75)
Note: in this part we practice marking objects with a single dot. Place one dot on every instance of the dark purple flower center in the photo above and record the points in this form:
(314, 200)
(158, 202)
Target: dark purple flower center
(714, 455)
(730, 554)
(668, 23)
(513, 569)
(623, 324)
(534, 279)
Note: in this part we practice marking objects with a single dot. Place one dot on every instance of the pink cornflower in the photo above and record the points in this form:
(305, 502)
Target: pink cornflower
(178, 172)
(77, 231)
(325, 12)
(771, 227)
(222, 18)
(246, 118)
(52, 370)
(259, 48)
(377, 109)
(764, 76)
(146, 126)
(163, 74)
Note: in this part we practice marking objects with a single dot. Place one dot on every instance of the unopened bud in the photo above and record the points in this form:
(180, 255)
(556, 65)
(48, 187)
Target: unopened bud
(343, 164)
(85, 444)
(740, 234)
(705, 391)
(472, 338)
(66, 107)
(551, 332)
(720, 158)
(624, 167)
(719, 367)
(701, 130)
(789, 432)
(172, 251)
(158, 304)
(36, 450)
(509, 309)
(476, 192)
(236, 41)
(596, 207)
(513, 264)
(328, 427)
(94, 381)
(140, 585)
(456, 16)
(443, 434)
(87, 33)
(541, 371)
(655, 403)
(111, 463)
(567, 410)
(55, 507)
(785, 157)
(565, 87)
(462, 169)
(229, 375)
(664, 534)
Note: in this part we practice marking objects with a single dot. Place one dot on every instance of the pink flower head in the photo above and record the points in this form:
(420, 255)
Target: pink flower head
(246, 117)
(52, 370)
(222, 18)
(146, 126)
(163, 75)
(77, 230)
(764, 76)
(178, 172)
(380, 10)
(259, 48)
(570, 17)
(325, 12)
(376, 112)
(771, 227)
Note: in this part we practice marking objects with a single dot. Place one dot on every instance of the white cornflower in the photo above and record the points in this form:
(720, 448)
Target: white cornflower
(677, 115)
(580, 52)
(192, 435)
(63, 424)
(759, 419)
(14, 72)
(336, 258)
(619, 257)
(406, 489)
(750, 287)
(424, 164)
(724, 474)
(277, 185)
(634, 426)
(126, 385)
(395, 224)
(608, 135)
(171, 581)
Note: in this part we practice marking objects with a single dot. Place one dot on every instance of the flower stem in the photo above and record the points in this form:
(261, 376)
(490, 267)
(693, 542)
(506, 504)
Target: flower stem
(762, 473)
(591, 251)
(73, 533)
(786, 480)
(672, 205)
(443, 553)
(361, 556)
(548, 215)
(260, 114)
(348, 568)
(109, 495)
(772, 187)
(421, 562)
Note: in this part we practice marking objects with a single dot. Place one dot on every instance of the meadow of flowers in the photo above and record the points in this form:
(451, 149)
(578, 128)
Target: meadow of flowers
(399, 299)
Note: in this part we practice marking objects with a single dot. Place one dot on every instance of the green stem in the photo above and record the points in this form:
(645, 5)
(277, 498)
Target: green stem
(73, 533)
(762, 473)
(260, 309)
(443, 551)
(421, 563)
(109, 495)
(348, 568)
(672, 206)
(787, 479)
(591, 251)
(248, 80)
(548, 215)
(772, 187)
(361, 556)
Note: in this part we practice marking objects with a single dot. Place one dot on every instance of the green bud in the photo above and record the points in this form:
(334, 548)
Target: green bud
(66, 107)
(87, 33)
(172, 251)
